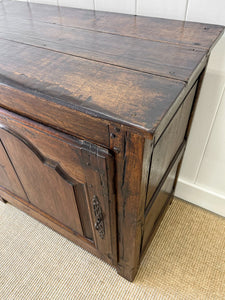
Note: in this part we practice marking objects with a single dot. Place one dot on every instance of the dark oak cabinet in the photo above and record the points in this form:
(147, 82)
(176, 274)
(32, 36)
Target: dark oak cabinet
(95, 110)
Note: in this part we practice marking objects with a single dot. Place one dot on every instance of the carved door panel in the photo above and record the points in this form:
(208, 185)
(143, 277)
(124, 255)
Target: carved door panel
(66, 179)
(8, 179)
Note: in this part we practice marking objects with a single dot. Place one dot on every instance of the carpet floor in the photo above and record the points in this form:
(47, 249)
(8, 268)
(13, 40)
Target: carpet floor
(186, 260)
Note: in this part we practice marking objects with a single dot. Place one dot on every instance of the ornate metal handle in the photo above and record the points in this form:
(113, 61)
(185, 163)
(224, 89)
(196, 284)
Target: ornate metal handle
(99, 220)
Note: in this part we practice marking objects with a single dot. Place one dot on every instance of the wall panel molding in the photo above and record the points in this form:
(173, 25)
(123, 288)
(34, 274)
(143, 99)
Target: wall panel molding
(200, 196)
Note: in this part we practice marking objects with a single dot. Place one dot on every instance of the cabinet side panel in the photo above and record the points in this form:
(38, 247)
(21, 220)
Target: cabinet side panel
(157, 207)
(168, 144)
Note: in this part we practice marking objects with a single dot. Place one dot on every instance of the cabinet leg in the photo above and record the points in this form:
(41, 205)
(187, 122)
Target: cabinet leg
(171, 199)
(3, 200)
(127, 273)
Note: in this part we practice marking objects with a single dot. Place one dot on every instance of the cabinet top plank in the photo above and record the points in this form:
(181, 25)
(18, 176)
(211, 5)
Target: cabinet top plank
(123, 68)
(163, 59)
(96, 88)
(156, 29)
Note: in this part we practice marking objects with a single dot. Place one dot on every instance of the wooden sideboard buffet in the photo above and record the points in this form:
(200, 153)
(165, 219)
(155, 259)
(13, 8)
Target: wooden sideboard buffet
(95, 113)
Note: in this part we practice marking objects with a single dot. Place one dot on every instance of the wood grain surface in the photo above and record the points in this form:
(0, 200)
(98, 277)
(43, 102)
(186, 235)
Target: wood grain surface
(163, 59)
(149, 28)
(122, 68)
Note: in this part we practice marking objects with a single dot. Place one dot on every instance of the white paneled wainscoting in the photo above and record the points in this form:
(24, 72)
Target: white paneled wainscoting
(202, 175)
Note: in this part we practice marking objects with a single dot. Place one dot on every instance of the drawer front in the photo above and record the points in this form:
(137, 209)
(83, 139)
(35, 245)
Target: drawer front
(69, 181)
(54, 114)
(168, 144)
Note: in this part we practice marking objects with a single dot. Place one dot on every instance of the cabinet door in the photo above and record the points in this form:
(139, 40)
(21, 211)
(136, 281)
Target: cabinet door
(67, 181)
(8, 179)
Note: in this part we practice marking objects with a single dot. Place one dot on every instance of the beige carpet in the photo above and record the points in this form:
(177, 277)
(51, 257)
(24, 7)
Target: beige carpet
(186, 260)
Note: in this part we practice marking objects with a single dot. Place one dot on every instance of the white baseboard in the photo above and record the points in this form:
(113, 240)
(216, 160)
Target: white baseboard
(200, 196)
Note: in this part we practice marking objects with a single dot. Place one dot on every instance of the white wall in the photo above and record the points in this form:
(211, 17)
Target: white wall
(202, 176)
